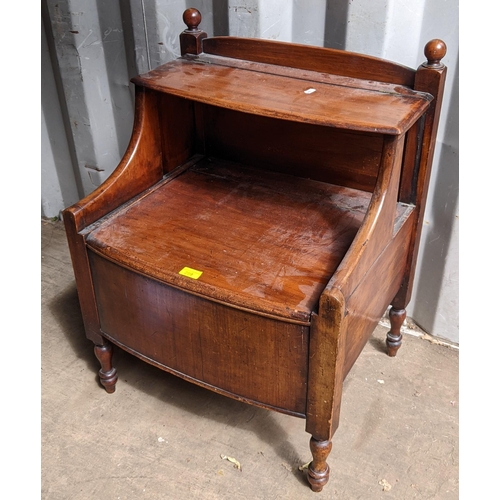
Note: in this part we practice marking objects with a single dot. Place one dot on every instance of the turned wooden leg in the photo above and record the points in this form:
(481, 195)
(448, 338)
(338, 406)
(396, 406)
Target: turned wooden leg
(107, 374)
(318, 472)
(394, 337)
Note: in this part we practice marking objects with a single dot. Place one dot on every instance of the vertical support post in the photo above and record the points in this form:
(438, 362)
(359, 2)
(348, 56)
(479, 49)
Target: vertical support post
(394, 337)
(107, 374)
(326, 376)
(430, 77)
(191, 38)
(318, 471)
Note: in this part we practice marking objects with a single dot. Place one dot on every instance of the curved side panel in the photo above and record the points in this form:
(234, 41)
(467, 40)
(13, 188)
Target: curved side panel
(326, 364)
(139, 169)
(377, 228)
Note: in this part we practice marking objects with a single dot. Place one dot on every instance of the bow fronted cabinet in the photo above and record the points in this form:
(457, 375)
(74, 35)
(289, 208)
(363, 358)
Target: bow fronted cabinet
(265, 215)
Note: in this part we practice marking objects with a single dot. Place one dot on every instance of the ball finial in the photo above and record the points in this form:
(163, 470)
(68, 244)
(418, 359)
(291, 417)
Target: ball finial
(435, 50)
(192, 19)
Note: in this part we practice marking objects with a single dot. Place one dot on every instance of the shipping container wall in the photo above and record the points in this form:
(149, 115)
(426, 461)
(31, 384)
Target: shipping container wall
(91, 49)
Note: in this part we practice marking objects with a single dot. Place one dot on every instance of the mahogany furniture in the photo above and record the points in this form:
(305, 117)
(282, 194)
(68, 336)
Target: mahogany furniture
(264, 216)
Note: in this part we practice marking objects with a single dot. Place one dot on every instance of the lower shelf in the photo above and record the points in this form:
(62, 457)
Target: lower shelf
(259, 240)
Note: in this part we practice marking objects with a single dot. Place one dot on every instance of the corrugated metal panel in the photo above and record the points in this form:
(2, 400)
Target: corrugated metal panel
(92, 49)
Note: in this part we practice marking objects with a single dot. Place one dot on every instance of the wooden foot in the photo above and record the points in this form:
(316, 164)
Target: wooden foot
(318, 472)
(394, 337)
(107, 374)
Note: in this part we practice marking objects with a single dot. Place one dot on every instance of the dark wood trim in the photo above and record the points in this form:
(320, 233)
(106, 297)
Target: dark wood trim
(139, 169)
(430, 78)
(338, 62)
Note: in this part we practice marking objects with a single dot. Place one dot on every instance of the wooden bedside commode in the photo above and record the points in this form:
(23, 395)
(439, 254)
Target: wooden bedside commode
(266, 213)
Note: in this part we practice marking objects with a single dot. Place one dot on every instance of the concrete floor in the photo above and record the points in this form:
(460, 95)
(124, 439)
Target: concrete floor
(159, 437)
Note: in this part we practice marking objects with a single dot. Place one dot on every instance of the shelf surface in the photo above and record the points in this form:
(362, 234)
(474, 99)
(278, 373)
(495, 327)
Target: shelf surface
(287, 94)
(263, 241)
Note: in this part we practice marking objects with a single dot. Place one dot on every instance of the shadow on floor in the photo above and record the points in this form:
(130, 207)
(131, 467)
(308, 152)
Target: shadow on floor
(170, 389)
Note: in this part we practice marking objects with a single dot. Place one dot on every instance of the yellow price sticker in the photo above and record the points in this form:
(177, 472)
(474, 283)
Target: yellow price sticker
(190, 273)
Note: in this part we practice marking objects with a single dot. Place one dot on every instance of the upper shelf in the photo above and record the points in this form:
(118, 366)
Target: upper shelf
(289, 94)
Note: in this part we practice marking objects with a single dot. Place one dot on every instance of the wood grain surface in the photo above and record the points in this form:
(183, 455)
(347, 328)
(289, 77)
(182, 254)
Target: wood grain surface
(264, 241)
(287, 98)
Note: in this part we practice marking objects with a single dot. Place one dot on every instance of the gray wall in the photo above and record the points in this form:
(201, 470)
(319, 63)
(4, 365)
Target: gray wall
(91, 49)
